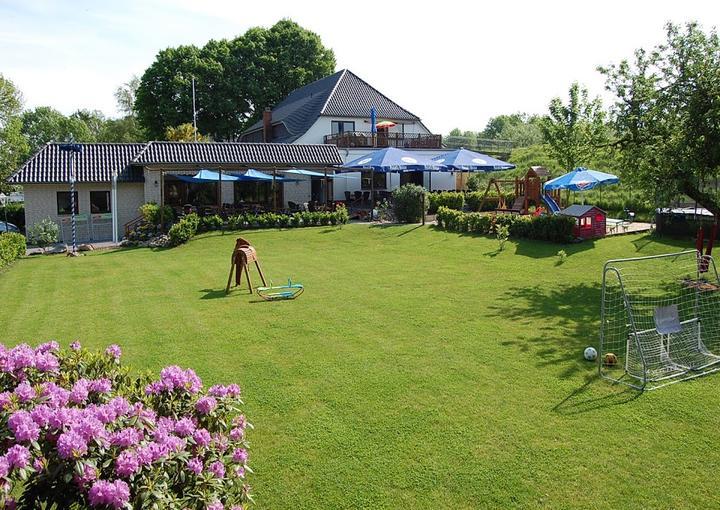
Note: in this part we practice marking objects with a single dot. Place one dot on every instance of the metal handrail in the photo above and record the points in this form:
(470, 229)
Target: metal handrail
(383, 139)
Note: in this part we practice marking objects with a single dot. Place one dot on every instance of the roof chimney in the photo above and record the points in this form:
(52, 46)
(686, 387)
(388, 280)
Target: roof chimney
(267, 125)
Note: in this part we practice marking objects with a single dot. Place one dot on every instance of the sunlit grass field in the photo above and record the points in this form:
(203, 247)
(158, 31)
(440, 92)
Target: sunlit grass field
(420, 369)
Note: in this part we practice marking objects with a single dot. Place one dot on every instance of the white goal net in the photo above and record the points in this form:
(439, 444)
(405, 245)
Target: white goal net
(660, 319)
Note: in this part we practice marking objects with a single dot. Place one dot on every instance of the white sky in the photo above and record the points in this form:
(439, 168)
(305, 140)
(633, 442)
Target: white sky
(455, 64)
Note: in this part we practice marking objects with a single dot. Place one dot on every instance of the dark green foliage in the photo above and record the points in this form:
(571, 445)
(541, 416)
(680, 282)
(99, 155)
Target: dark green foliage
(45, 124)
(575, 132)
(409, 203)
(555, 228)
(667, 116)
(213, 222)
(15, 213)
(12, 247)
(300, 219)
(13, 145)
(153, 214)
(234, 79)
(450, 199)
(184, 230)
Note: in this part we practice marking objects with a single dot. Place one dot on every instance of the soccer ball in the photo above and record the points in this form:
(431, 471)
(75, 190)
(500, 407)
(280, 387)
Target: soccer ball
(610, 359)
(590, 354)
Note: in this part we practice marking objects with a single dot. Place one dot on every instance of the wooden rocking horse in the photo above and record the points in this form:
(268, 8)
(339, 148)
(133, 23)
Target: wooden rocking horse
(240, 260)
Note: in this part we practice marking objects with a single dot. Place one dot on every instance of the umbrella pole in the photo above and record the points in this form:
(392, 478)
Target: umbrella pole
(327, 190)
(219, 190)
(372, 193)
(274, 192)
(162, 199)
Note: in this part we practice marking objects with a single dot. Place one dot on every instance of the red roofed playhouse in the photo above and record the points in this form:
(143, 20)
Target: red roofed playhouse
(589, 221)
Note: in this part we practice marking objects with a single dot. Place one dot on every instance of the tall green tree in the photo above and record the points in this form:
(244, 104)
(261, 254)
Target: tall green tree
(183, 133)
(45, 124)
(125, 95)
(575, 132)
(520, 128)
(234, 80)
(125, 129)
(13, 145)
(667, 116)
(280, 59)
(94, 120)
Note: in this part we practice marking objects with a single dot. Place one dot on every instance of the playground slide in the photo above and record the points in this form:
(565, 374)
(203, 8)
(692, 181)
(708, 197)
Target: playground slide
(550, 203)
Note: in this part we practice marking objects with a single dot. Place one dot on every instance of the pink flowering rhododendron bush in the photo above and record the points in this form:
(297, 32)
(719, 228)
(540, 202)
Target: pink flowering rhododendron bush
(77, 430)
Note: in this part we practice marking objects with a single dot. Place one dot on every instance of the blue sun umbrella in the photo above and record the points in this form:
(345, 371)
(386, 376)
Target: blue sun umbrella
(463, 160)
(581, 179)
(389, 160)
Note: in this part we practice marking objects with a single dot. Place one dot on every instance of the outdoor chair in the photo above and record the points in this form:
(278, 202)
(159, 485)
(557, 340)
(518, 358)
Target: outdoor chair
(366, 197)
(358, 196)
(348, 198)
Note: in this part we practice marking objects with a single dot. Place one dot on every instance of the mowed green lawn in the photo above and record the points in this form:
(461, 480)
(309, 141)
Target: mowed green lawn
(420, 369)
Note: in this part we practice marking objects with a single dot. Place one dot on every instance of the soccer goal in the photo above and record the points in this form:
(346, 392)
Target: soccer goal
(660, 319)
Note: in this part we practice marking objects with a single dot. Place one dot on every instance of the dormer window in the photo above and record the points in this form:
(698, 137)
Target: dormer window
(342, 126)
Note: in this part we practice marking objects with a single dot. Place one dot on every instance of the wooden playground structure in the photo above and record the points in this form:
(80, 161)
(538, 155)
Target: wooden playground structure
(243, 254)
(527, 191)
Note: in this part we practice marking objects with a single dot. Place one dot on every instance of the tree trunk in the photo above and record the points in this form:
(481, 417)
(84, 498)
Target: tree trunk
(705, 199)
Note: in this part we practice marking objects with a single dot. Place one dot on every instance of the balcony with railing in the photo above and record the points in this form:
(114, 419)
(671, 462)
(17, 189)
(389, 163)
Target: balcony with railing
(361, 139)
(497, 148)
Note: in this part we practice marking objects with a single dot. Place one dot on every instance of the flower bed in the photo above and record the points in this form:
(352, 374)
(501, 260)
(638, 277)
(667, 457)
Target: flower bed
(78, 430)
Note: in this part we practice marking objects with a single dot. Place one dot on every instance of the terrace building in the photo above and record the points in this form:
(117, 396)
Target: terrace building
(336, 110)
(112, 180)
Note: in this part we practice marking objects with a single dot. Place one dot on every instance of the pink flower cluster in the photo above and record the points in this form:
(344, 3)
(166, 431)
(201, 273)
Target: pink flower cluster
(109, 438)
(113, 494)
(174, 378)
(18, 360)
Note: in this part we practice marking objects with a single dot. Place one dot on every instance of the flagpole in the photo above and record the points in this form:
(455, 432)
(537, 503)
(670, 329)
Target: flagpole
(73, 149)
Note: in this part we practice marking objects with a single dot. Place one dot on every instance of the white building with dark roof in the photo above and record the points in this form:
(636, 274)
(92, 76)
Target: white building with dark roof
(316, 127)
(336, 110)
(147, 172)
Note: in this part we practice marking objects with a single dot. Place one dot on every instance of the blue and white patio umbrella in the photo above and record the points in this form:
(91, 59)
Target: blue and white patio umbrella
(310, 173)
(463, 160)
(206, 176)
(391, 159)
(581, 179)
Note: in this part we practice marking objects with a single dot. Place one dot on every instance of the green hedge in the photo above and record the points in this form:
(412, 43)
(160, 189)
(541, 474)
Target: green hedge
(554, 228)
(182, 231)
(300, 219)
(151, 212)
(214, 222)
(12, 247)
(409, 203)
(449, 199)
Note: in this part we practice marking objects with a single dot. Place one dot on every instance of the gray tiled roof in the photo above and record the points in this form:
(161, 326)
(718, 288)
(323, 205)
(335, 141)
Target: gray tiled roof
(342, 94)
(96, 163)
(237, 153)
(577, 210)
(353, 97)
